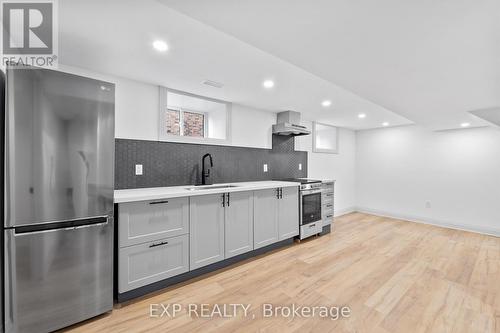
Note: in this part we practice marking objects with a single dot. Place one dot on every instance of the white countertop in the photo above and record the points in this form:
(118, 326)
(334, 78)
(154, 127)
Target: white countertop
(156, 193)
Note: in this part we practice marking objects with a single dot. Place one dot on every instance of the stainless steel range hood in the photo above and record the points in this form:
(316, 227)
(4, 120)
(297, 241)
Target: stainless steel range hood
(288, 123)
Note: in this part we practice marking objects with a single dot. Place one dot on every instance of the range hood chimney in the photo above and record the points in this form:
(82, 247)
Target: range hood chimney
(288, 123)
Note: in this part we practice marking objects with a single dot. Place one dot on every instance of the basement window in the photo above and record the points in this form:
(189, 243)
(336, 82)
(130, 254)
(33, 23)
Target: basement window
(185, 117)
(186, 123)
(325, 138)
(173, 122)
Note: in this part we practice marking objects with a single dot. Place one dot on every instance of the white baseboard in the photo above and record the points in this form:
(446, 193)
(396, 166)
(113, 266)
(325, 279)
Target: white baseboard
(492, 231)
(344, 211)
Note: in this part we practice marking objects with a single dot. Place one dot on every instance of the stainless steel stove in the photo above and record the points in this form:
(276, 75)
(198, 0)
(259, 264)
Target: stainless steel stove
(306, 183)
(309, 206)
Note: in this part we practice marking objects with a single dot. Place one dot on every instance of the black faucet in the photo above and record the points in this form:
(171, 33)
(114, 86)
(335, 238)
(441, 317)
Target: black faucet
(206, 173)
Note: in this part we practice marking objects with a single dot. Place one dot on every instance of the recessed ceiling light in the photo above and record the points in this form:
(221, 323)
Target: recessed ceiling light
(385, 124)
(361, 116)
(160, 46)
(326, 103)
(465, 124)
(268, 84)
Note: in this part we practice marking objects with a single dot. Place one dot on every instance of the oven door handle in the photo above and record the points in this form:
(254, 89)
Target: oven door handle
(307, 192)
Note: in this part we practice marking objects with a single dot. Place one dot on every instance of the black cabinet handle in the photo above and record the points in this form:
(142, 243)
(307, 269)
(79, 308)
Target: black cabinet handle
(158, 202)
(223, 199)
(330, 205)
(328, 216)
(281, 192)
(158, 244)
(227, 199)
(277, 193)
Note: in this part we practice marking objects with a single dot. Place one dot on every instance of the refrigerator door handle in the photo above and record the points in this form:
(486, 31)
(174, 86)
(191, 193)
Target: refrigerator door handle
(68, 225)
(91, 225)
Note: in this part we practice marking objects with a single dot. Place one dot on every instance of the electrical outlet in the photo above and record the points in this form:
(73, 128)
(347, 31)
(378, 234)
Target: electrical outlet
(265, 167)
(427, 204)
(138, 169)
(300, 166)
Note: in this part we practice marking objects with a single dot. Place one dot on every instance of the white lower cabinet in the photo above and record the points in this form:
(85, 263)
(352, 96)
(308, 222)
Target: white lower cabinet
(163, 238)
(206, 229)
(276, 215)
(238, 223)
(288, 213)
(265, 217)
(142, 264)
(327, 200)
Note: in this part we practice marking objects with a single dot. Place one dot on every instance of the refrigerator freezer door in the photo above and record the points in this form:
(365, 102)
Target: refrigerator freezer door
(59, 147)
(58, 277)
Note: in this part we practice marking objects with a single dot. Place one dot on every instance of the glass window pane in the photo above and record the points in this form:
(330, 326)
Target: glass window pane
(173, 122)
(194, 124)
(325, 138)
(200, 119)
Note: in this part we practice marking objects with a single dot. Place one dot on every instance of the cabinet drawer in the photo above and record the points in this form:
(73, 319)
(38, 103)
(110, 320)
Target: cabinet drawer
(145, 221)
(327, 212)
(311, 229)
(327, 206)
(327, 220)
(142, 264)
(327, 192)
(326, 200)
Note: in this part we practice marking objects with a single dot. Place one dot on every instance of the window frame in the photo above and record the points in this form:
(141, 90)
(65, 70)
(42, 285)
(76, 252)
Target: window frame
(323, 150)
(163, 107)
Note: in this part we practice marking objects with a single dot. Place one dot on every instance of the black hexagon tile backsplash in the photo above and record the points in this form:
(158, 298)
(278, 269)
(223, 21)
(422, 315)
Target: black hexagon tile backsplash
(170, 164)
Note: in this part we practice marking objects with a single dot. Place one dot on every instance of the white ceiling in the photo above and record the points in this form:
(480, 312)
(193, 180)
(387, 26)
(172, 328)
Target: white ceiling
(430, 61)
(400, 61)
(115, 37)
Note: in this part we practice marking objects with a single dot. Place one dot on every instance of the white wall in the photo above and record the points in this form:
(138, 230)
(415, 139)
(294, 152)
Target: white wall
(137, 113)
(136, 105)
(137, 110)
(341, 167)
(457, 172)
(252, 127)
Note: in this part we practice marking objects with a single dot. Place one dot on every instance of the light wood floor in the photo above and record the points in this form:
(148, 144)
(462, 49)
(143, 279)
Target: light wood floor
(395, 276)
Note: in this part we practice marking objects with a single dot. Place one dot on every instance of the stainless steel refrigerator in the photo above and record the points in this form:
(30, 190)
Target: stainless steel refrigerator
(58, 199)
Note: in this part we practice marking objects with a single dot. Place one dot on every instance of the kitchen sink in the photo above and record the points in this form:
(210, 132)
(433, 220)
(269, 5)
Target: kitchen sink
(209, 187)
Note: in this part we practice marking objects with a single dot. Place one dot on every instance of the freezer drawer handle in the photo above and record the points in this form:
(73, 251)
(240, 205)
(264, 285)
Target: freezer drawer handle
(158, 244)
(158, 202)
